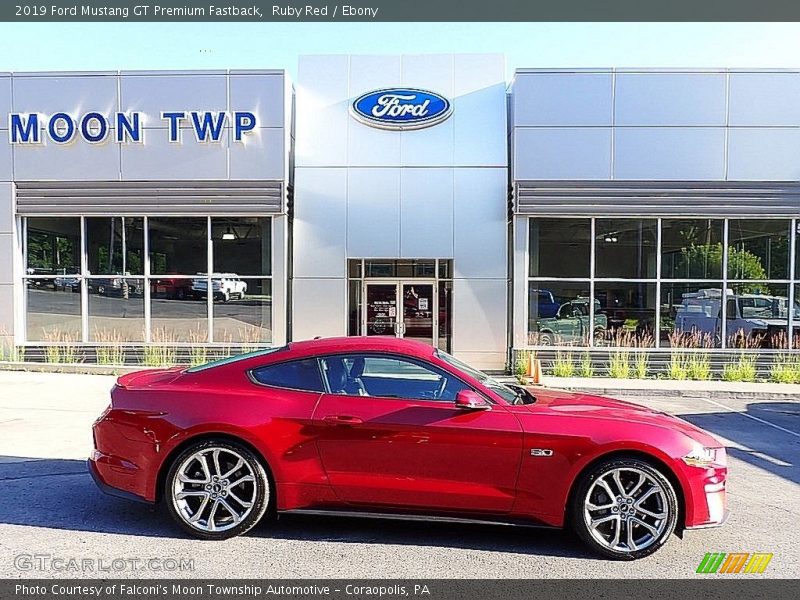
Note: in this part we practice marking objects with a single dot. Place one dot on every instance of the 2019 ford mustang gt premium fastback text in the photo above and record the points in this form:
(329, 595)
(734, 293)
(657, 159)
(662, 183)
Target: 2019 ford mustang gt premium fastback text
(383, 425)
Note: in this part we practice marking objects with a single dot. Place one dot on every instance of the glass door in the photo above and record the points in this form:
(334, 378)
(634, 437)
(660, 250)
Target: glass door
(418, 312)
(381, 309)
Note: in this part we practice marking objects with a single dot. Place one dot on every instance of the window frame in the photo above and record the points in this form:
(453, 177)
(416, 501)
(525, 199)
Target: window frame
(84, 280)
(396, 356)
(724, 282)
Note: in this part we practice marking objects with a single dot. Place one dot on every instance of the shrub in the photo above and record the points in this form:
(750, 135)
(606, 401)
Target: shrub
(163, 354)
(641, 357)
(586, 367)
(198, 352)
(62, 348)
(698, 366)
(742, 369)
(111, 352)
(563, 365)
(785, 368)
(522, 360)
(619, 365)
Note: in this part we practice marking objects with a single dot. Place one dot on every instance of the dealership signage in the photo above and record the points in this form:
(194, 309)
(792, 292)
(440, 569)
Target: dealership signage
(401, 108)
(96, 128)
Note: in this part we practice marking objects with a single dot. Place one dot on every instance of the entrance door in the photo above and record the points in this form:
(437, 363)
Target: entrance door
(418, 307)
(381, 309)
(402, 309)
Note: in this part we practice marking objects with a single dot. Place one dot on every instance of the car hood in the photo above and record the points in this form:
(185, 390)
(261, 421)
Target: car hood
(561, 402)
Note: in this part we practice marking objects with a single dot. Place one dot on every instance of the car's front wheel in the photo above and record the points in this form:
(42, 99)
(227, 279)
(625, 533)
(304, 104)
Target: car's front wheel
(624, 508)
(217, 489)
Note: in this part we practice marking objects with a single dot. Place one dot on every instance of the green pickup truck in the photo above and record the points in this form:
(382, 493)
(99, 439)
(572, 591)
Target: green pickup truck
(570, 325)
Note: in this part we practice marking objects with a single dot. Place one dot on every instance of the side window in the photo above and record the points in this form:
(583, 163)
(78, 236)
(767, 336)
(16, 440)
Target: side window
(389, 377)
(296, 375)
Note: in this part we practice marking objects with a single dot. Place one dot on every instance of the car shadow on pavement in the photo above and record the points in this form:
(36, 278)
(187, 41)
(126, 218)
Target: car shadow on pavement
(763, 446)
(81, 506)
(60, 494)
(470, 536)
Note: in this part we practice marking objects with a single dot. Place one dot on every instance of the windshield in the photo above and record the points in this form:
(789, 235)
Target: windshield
(507, 393)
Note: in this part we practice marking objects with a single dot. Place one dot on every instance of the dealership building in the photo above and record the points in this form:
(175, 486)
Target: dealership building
(417, 196)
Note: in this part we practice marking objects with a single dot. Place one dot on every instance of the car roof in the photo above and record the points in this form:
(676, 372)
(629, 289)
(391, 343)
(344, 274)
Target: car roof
(360, 344)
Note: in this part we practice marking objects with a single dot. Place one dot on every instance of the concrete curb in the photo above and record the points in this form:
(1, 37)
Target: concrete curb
(713, 390)
(80, 369)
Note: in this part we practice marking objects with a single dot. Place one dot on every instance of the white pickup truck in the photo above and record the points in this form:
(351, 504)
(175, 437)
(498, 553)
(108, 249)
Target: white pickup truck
(225, 286)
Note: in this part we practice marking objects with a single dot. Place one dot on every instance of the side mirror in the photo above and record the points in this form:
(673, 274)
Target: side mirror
(471, 400)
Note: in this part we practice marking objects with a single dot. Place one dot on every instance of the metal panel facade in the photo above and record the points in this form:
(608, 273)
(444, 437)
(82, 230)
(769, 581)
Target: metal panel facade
(150, 176)
(437, 192)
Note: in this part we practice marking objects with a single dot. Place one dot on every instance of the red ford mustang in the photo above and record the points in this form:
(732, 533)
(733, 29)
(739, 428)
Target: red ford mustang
(381, 425)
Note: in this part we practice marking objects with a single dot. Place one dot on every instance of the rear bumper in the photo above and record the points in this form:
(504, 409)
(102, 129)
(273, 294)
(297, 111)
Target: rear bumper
(108, 478)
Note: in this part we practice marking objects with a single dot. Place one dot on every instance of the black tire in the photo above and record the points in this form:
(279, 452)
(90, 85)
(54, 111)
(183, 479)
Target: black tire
(547, 339)
(262, 489)
(581, 527)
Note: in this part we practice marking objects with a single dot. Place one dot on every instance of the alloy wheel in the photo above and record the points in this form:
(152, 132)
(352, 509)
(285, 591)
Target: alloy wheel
(214, 489)
(626, 509)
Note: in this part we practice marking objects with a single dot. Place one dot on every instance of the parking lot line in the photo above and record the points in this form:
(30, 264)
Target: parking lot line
(744, 414)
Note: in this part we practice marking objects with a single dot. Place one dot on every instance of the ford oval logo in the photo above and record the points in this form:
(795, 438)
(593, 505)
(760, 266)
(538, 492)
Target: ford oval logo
(401, 108)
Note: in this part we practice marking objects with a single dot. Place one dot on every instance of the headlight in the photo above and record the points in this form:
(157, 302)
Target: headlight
(702, 457)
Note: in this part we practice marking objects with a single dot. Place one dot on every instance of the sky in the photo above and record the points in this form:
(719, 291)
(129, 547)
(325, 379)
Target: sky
(112, 46)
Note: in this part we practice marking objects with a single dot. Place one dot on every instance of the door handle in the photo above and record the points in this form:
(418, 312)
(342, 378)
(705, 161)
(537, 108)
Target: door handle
(342, 420)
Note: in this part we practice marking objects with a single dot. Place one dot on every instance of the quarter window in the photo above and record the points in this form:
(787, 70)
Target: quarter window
(296, 375)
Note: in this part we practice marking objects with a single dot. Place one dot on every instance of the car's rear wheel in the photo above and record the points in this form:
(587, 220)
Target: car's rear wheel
(217, 489)
(624, 508)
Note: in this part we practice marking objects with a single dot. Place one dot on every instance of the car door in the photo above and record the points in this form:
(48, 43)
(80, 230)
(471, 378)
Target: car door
(389, 434)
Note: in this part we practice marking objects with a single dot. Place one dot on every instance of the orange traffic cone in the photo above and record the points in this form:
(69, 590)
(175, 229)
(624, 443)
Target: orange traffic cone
(535, 369)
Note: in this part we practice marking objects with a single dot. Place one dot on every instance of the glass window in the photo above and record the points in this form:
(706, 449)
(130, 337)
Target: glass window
(797, 251)
(625, 248)
(400, 268)
(560, 247)
(625, 314)
(796, 319)
(115, 245)
(445, 338)
(296, 375)
(691, 248)
(445, 268)
(178, 246)
(690, 315)
(758, 249)
(354, 268)
(53, 309)
(389, 377)
(116, 309)
(558, 313)
(242, 245)
(354, 307)
(242, 310)
(53, 246)
(176, 313)
(759, 313)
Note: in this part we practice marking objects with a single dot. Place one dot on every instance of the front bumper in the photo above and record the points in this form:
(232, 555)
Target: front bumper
(706, 496)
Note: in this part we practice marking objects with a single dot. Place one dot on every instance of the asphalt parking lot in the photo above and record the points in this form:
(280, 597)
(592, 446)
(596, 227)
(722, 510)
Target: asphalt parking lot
(52, 509)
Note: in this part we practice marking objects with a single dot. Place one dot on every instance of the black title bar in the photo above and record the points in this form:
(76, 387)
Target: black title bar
(711, 588)
(399, 10)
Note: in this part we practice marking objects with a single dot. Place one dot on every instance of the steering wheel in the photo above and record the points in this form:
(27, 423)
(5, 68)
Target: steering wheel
(442, 387)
